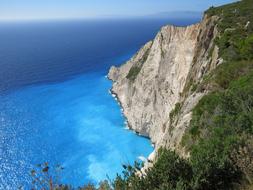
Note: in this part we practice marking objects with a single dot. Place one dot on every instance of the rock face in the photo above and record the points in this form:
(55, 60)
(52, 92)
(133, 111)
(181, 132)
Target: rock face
(160, 76)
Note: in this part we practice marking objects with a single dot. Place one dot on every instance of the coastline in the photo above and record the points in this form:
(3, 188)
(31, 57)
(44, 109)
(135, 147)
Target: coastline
(150, 158)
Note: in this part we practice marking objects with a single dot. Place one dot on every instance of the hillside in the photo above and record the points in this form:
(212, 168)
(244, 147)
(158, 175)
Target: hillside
(190, 90)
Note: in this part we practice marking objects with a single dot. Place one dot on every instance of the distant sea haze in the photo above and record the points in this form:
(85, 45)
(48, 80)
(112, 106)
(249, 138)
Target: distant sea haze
(55, 104)
(178, 15)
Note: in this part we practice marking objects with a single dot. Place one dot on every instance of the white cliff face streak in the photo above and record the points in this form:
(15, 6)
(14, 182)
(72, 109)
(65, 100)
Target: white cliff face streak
(153, 81)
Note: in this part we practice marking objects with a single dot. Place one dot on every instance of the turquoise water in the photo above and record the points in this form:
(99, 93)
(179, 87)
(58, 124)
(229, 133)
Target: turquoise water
(55, 104)
(75, 123)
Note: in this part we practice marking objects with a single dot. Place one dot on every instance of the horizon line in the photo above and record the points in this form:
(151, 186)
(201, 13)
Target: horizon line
(153, 15)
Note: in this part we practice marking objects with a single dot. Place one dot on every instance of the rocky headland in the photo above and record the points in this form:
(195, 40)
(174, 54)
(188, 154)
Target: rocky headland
(156, 81)
(190, 90)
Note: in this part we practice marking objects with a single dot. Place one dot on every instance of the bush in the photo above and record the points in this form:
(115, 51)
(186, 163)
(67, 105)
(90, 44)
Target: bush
(235, 40)
(211, 162)
(169, 172)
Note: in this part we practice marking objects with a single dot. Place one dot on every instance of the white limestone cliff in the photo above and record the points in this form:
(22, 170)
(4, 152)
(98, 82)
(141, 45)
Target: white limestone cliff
(161, 75)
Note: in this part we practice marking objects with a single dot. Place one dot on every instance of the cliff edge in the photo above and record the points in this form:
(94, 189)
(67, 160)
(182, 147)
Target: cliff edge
(191, 91)
(151, 84)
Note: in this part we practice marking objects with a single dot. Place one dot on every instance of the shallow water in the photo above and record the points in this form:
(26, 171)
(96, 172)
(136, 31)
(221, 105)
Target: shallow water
(76, 124)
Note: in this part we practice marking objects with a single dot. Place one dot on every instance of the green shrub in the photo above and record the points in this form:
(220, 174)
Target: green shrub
(211, 163)
(175, 111)
(224, 74)
(169, 172)
(133, 72)
(235, 40)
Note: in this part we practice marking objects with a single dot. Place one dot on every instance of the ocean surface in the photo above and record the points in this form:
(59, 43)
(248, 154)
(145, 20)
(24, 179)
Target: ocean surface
(55, 104)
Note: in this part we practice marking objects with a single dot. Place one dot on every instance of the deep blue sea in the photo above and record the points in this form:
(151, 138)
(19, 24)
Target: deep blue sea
(55, 104)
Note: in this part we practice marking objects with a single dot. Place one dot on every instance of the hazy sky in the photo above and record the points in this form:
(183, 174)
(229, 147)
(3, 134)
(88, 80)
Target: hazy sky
(46, 9)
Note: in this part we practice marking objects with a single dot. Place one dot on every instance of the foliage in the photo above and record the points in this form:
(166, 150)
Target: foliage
(232, 107)
(169, 172)
(175, 111)
(211, 164)
(209, 167)
(236, 30)
(46, 178)
(224, 74)
(221, 123)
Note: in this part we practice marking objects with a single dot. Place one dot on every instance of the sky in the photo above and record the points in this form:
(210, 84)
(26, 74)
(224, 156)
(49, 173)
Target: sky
(69, 9)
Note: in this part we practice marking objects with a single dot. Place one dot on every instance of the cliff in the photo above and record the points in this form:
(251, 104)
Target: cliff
(191, 90)
(154, 81)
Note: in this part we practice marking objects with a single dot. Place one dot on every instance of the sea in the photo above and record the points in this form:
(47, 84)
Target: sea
(55, 105)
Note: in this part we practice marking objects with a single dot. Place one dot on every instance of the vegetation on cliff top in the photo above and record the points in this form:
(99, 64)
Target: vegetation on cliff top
(220, 135)
(236, 29)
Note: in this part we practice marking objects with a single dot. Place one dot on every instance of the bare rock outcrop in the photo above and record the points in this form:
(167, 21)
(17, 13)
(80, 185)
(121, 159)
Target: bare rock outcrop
(160, 76)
